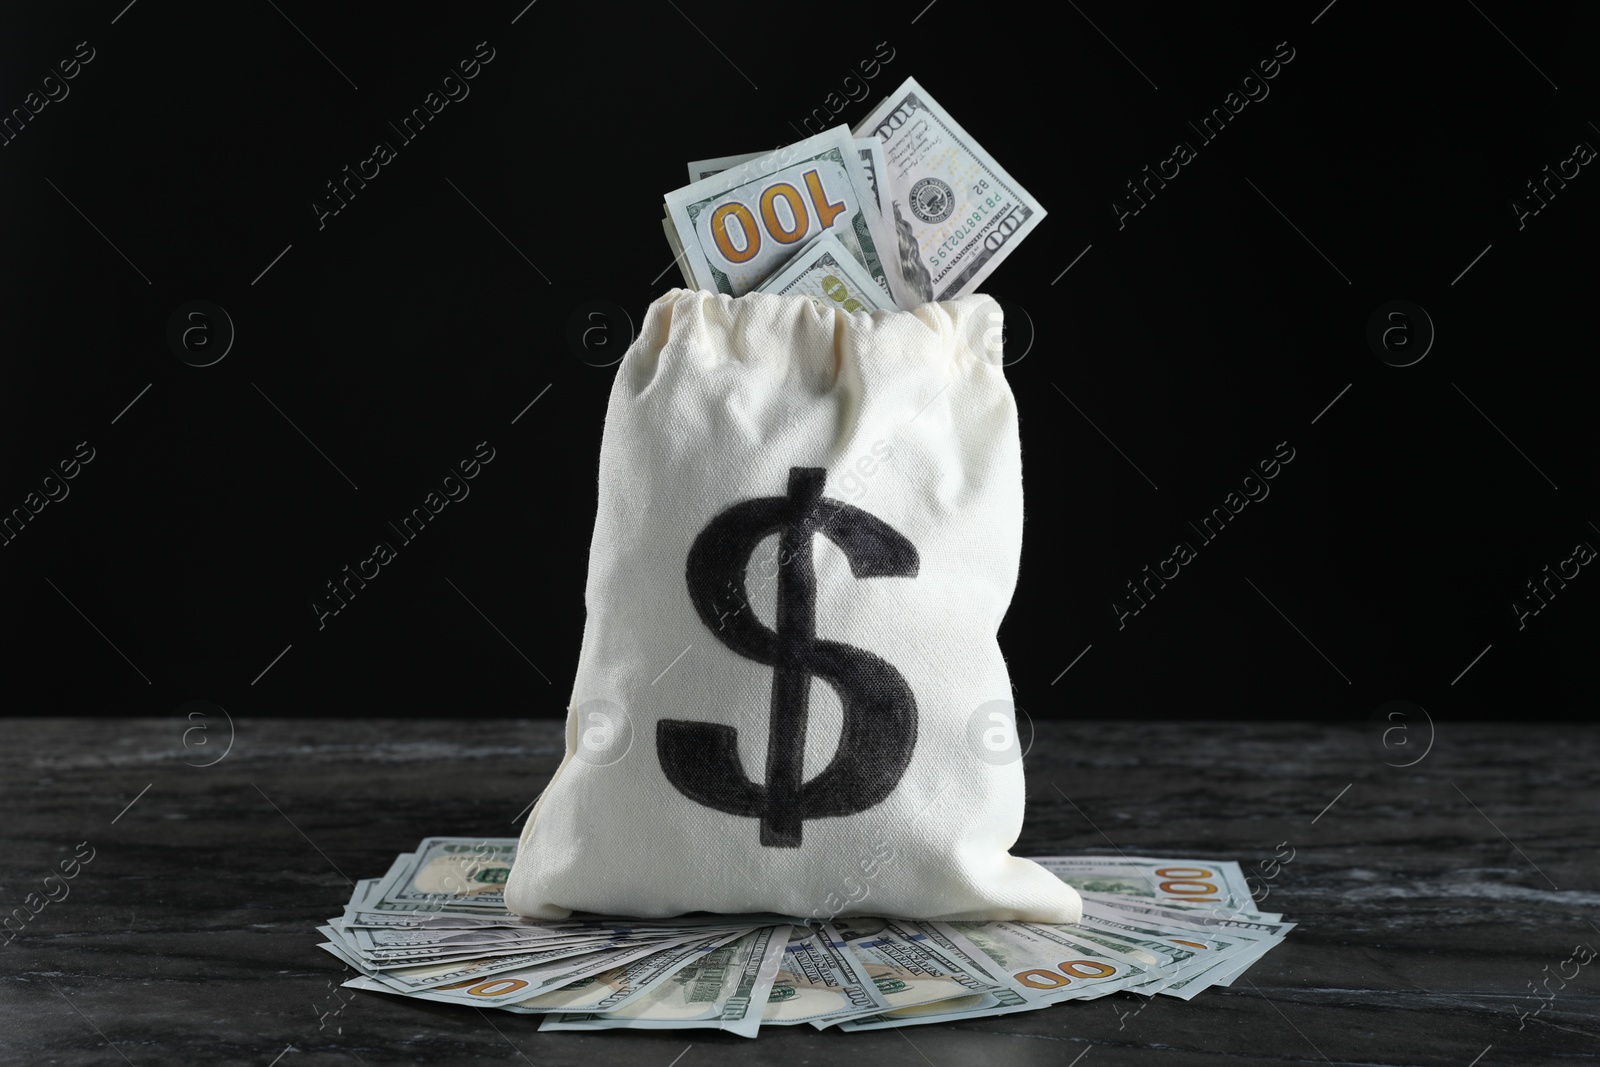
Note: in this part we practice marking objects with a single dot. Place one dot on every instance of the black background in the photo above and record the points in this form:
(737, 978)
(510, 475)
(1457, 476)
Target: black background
(1222, 319)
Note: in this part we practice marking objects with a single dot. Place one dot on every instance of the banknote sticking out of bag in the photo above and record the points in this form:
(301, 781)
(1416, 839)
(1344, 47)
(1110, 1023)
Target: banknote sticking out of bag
(907, 210)
(808, 531)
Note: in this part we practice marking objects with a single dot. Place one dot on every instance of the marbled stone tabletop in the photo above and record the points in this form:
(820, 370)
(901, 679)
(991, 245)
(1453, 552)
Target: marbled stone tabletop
(1439, 904)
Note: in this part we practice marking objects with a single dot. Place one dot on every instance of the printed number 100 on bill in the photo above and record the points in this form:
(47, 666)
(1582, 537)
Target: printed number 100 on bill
(751, 230)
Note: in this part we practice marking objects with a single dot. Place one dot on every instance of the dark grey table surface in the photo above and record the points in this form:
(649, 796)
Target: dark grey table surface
(1432, 899)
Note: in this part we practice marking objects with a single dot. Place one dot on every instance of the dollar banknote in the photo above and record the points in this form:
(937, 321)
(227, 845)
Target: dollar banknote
(430, 929)
(1202, 882)
(869, 149)
(820, 978)
(357, 919)
(497, 989)
(457, 872)
(567, 948)
(874, 168)
(725, 989)
(424, 973)
(1003, 997)
(417, 979)
(955, 212)
(739, 226)
(1198, 916)
(1197, 951)
(383, 943)
(1049, 961)
(486, 985)
(614, 989)
(1252, 938)
(906, 967)
(830, 276)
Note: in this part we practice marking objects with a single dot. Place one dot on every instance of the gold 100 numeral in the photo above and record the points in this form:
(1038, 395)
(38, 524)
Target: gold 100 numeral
(1187, 882)
(826, 212)
(1043, 978)
(494, 987)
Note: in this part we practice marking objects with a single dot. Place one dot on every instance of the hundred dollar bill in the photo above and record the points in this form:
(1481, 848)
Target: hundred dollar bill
(408, 974)
(376, 985)
(411, 979)
(1254, 937)
(1048, 961)
(373, 896)
(741, 225)
(870, 150)
(378, 964)
(904, 967)
(1003, 997)
(522, 976)
(379, 945)
(1202, 950)
(612, 990)
(956, 213)
(496, 989)
(372, 932)
(449, 872)
(1197, 977)
(874, 167)
(972, 1006)
(723, 990)
(1166, 881)
(820, 978)
(1224, 973)
(425, 924)
(1180, 917)
(1179, 907)
(1233, 961)
(357, 919)
(1161, 961)
(829, 275)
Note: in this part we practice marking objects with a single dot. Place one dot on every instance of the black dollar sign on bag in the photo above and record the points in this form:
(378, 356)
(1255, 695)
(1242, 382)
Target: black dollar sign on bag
(880, 714)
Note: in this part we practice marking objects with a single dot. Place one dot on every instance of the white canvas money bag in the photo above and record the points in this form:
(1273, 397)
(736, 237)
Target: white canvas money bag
(789, 696)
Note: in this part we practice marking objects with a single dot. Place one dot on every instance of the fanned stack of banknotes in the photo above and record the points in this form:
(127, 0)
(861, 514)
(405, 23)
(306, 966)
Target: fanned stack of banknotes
(436, 927)
(907, 209)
